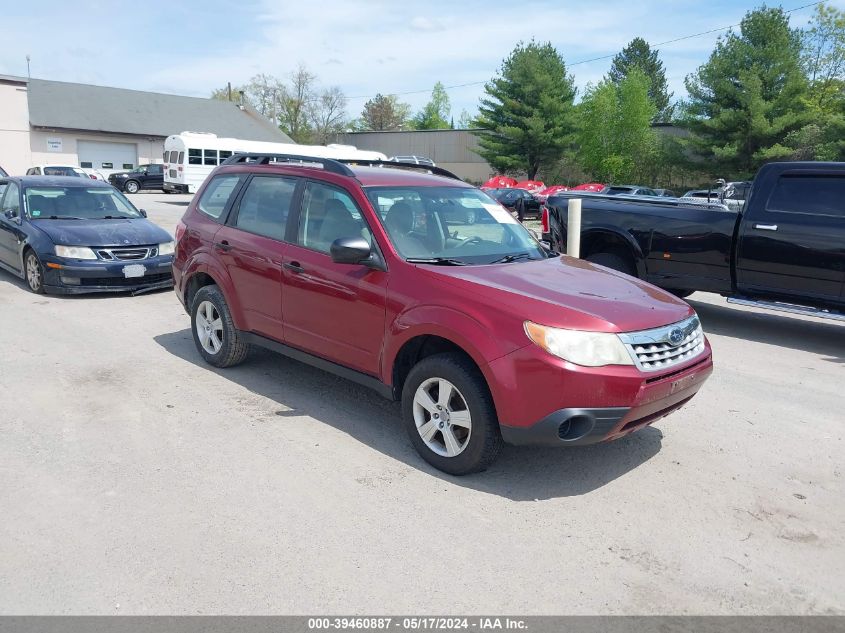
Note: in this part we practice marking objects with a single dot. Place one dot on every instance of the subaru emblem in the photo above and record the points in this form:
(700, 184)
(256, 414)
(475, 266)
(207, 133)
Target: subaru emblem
(676, 336)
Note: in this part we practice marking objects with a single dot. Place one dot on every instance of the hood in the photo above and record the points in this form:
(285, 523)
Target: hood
(122, 174)
(135, 232)
(569, 293)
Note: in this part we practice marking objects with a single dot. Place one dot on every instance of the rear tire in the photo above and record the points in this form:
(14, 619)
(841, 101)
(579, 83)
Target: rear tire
(682, 294)
(217, 339)
(614, 260)
(461, 428)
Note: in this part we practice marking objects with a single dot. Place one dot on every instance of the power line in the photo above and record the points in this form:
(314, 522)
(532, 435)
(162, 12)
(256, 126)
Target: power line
(583, 61)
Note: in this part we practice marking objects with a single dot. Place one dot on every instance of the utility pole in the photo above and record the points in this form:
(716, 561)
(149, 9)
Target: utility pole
(229, 89)
(28, 75)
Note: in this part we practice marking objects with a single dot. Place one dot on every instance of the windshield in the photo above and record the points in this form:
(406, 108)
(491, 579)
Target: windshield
(454, 225)
(94, 203)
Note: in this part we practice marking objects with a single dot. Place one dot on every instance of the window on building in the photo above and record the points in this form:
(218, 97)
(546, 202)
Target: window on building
(86, 164)
(209, 157)
(128, 166)
(107, 165)
(195, 157)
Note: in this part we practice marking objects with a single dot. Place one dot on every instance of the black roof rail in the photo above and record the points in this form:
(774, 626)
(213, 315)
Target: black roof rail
(403, 165)
(329, 164)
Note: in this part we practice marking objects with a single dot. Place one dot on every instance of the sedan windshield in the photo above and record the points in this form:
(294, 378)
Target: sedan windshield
(82, 203)
(451, 226)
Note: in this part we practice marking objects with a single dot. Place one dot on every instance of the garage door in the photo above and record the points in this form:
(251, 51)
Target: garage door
(107, 157)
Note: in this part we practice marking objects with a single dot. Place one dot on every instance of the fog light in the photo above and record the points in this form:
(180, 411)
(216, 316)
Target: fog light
(70, 281)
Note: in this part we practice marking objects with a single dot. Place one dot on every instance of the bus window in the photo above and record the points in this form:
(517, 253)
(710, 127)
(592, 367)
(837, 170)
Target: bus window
(209, 157)
(224, 154)
(181, 157)
(195, 157)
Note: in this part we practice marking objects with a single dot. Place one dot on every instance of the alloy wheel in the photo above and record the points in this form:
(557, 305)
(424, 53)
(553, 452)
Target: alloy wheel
(442, 417)
(209, 327)
(33, 272)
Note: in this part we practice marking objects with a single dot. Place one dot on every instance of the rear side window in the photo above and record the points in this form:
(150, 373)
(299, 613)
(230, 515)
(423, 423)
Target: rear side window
(155, 170)
(216, 195)
(812, 195)
(195, 157)
(265, 206)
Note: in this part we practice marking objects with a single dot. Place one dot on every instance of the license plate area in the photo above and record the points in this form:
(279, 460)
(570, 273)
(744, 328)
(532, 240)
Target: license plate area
(134, 270)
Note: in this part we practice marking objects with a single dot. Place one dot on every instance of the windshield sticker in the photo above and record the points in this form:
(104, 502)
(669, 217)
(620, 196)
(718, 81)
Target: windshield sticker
(501, 214)
(35, 213)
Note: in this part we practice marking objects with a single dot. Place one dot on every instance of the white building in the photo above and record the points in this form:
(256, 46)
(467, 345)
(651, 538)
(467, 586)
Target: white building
(108, 129)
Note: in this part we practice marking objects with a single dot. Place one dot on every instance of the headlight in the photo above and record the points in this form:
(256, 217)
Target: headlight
(166, 248)
(75, 252)
(591, 349)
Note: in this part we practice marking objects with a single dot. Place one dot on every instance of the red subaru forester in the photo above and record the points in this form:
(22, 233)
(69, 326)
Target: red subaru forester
(411, 282)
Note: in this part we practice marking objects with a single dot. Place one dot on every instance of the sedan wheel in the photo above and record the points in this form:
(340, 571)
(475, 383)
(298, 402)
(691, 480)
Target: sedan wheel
(442, 417)
(34, 273)
(209, 327)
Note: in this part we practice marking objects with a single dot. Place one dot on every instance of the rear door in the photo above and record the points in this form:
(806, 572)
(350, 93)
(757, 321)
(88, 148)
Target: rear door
(792, 241)
(154, 178)
(252, 247)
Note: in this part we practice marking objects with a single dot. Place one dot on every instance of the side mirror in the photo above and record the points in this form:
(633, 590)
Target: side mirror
(350, 250)
(142, 212)
(10, 214)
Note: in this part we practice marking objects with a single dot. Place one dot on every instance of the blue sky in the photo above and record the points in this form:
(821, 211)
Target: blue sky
(382, 46)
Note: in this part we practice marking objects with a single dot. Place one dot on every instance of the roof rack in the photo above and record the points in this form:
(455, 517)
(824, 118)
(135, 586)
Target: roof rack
(439, 171)
(329, 164)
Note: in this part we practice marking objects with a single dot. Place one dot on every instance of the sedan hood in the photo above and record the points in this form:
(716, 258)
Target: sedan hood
(135, 232)
(569, 293)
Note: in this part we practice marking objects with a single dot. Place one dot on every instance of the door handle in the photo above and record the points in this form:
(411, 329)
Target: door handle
(766, 227)
(223, 246)
(294, 266)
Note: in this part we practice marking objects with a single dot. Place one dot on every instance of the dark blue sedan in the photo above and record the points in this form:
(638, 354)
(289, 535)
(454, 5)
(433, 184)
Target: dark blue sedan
(75, 235)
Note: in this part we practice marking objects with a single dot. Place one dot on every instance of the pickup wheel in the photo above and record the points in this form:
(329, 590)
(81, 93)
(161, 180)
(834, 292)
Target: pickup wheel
(615, 260)
(449, 415)
(681, 294)
(217, 339)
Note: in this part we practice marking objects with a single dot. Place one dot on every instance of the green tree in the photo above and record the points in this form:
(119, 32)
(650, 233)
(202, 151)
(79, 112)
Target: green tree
(823, 56)
(748, 96)
(435, 113)
(384, 113)
(638, 54)
(616, 142)
(526, 115)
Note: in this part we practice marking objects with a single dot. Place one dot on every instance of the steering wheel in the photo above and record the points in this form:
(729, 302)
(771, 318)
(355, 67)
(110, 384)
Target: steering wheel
(470, 240)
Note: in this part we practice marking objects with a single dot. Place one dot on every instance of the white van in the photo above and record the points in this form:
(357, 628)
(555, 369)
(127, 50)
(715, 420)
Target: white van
(190, 157)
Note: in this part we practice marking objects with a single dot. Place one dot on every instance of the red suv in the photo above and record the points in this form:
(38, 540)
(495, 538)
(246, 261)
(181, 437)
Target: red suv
(374, 273)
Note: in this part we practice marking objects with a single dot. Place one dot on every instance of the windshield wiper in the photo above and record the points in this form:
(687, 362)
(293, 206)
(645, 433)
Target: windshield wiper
(116, 217)
(64, 217)
(440, 261)
(512, 258)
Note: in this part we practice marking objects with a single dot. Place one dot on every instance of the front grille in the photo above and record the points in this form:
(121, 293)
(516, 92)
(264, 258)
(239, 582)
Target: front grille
(123, 282)
(667, 346)
(127, 254)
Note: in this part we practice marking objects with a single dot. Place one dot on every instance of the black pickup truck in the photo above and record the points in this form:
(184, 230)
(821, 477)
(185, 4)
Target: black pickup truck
(784, 250)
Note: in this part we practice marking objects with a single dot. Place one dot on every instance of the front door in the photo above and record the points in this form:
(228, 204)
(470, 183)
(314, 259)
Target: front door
(251, 246)
(335, 311)
(10, 226)
(791, 244)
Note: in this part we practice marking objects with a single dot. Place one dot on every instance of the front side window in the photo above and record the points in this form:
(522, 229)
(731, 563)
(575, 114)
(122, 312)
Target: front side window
(265, 206)
(216, 195)
(813, 195)
(329, 213)
(456, 225)
(195, 157)
(88, 203)
(11, 200)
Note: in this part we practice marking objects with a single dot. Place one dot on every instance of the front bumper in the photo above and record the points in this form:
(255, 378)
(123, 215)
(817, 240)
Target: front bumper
(568, 405)
(63, 276)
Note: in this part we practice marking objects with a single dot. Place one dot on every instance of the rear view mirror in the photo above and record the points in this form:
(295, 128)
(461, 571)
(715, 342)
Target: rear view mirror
(350, 250)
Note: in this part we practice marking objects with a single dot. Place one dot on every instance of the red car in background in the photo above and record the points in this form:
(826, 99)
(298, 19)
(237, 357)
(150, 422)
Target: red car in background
(589, 186)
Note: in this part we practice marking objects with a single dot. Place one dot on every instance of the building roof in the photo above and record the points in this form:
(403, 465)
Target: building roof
(57, 104)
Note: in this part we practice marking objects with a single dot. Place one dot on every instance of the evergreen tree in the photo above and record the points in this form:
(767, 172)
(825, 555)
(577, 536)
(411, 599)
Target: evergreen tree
(638, 54)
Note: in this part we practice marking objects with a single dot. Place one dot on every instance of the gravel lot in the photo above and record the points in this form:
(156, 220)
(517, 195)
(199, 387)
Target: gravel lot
(135, 479)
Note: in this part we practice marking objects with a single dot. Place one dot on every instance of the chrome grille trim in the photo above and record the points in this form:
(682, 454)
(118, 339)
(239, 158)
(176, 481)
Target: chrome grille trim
(665, 347)
(127, 254)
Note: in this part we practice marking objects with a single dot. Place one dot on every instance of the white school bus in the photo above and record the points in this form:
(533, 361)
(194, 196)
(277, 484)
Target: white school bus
(190, 157)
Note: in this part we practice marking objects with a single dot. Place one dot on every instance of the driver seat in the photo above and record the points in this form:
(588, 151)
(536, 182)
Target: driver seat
(399, 223)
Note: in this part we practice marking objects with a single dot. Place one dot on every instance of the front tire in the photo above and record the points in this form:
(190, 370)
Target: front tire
(449, 415)
(131, 186)
(34, 273)
(217, 339)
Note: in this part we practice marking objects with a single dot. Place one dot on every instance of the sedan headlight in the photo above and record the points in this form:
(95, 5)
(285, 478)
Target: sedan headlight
(166, 248)
(75, 252)
(591, 349)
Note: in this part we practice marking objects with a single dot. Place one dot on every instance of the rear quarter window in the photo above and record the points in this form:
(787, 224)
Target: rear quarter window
(810, 195)
(216, 195)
